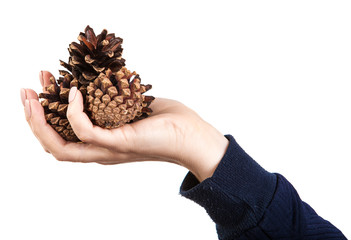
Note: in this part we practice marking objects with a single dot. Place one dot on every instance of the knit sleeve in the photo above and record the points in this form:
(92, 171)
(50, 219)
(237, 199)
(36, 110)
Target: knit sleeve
(247, 202)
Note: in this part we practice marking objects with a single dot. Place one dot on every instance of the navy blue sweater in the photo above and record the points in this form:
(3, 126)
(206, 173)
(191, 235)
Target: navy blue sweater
(247, 202)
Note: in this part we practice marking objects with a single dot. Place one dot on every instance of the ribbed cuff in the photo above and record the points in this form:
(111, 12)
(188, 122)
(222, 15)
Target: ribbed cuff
(237, 194)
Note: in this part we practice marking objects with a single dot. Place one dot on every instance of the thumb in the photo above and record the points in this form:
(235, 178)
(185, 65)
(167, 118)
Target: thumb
(80, 122)
(75, 105)
(89, 133)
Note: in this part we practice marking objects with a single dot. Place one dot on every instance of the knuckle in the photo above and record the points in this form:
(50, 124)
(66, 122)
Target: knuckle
(84, 136)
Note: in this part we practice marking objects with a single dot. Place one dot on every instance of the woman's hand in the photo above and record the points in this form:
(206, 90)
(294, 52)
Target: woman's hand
(172, 133)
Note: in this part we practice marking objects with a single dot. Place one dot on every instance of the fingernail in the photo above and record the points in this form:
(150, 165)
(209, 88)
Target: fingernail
(41, 78)
(27, 109)
(23, 95)
(72, 94)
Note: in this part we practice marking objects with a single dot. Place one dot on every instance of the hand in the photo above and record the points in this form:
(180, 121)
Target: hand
(172, 133)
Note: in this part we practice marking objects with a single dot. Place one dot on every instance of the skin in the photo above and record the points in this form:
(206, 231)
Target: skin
(172, 133)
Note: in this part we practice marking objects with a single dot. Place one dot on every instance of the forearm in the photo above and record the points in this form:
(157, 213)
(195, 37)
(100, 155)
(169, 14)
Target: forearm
(287, 216)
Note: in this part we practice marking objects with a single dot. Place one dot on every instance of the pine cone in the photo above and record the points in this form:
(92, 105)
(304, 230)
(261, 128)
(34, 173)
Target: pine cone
(112, 94)
(94, 55)
(55, 103)
(112, 105)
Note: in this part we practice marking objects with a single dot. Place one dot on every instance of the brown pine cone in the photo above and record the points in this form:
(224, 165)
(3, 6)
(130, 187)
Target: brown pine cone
(112, 94)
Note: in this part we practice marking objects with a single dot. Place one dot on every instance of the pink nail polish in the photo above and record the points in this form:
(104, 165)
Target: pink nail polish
(27, 109)
(72, 94)
(23, 95)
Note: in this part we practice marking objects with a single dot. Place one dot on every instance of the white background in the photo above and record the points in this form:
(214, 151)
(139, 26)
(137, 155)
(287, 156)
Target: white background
(274, 74)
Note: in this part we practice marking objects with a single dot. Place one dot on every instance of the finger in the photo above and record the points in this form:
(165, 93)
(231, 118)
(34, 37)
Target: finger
(47, 136)
(44, 77)
(28, 94)
(81, 124)
(55, 144)
(158, 105)
(31, 94)
(84, 153)
(164, 105)
(23, 95)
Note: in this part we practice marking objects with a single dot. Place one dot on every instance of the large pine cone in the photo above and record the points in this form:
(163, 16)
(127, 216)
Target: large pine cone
(112, 94)
(113, 100)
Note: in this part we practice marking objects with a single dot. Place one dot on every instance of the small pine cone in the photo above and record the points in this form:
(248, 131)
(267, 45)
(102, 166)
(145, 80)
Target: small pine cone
(116, 99)
(93, 55)
(55, 103)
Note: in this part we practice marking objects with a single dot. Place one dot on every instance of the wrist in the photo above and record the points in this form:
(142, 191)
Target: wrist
(207, 150)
